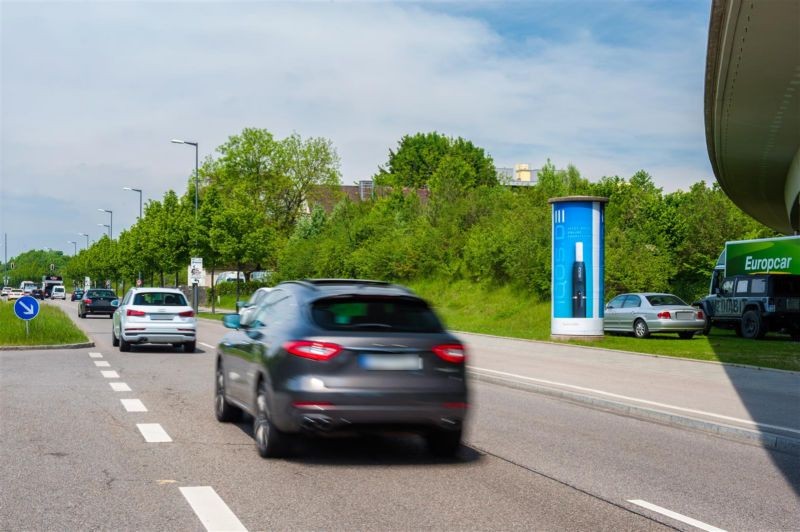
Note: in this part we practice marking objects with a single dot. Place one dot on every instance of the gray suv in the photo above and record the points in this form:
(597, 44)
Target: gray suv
(331, 355)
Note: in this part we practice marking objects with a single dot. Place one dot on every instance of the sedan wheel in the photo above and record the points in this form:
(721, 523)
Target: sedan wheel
(270, 441)
(640, 329)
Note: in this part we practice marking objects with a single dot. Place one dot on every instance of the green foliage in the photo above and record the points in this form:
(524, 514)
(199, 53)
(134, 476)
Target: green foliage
(33, 264)
(424, 159)
(50, 327)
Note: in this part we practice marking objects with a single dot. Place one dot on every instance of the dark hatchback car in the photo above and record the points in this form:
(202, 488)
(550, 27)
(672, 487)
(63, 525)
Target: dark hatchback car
(77, 295)
(38, 293)
(323, 356)
(97, 301)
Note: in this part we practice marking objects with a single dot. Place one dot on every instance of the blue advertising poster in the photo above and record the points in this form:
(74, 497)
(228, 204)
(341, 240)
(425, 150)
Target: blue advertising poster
(578, 266)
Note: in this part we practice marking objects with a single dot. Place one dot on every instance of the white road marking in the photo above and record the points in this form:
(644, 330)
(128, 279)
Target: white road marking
(110, 374)
(153, 433)
(643, 401)
(133, 405)
(211, 509)
(102, 364)
(674, 515)
(95, 355)
(207, 345)
(119, 386)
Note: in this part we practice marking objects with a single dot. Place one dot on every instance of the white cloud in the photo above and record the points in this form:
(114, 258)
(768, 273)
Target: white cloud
(93, 92)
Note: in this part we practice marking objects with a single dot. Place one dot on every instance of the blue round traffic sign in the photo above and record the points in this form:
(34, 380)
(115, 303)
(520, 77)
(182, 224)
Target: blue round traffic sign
(26, 308)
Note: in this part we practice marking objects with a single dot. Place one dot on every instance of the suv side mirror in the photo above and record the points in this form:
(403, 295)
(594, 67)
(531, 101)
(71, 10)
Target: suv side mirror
(231, 321)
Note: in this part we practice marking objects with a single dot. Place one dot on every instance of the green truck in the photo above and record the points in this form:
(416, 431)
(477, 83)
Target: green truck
(755, 288)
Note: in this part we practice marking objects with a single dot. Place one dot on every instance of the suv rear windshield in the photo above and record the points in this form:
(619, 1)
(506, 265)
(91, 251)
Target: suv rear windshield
(165, 299)
(375, 313)
(101, 293)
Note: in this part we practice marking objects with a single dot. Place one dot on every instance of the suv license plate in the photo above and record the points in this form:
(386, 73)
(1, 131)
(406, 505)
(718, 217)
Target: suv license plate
(390, 362)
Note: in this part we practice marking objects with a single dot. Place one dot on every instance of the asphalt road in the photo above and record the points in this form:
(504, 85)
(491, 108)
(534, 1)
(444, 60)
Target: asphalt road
(74, 459)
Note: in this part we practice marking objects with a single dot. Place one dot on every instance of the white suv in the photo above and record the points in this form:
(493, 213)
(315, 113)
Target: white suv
(154, 316)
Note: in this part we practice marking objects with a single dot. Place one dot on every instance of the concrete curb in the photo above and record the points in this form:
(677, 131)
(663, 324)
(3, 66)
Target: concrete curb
(43, 347)
(764, 439)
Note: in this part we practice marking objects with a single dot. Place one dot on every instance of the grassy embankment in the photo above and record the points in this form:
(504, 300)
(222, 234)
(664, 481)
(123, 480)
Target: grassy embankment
(50, 327)
(504, 311)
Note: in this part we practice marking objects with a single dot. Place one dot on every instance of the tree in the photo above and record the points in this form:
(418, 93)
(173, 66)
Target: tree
(420, 157)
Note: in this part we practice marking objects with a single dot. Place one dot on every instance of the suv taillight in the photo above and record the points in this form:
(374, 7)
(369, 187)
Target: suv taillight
(312, 350)
(132, 312)
(186, 314)
(664, 315)
(454, 353)
(87, 301)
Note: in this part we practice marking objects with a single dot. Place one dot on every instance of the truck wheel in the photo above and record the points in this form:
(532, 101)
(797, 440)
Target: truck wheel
(640, 329)
(752, 325)
(707, 326)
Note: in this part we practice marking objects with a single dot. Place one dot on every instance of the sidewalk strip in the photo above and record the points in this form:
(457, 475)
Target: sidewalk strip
(102, 364)
(207, 345)
(674, 515)
(211, 509)
(110, 374)
(133, 405)
(643, 401)
(119, 386)
(95, 355)
(153, 433)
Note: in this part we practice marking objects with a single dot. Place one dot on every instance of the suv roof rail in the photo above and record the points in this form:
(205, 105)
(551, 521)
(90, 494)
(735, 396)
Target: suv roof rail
(315, 284)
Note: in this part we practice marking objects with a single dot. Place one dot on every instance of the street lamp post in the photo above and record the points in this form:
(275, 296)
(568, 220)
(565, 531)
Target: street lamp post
(107, 227)
(87, 238)
(110, 222)
(196, 177)
(139, 190)
(74, 246)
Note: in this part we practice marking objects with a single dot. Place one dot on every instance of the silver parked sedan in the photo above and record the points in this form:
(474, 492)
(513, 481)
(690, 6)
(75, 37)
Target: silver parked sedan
(645, 313)
(154, 316)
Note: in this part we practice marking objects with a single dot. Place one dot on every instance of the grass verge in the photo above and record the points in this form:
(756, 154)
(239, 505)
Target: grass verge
(50, 327)
(504, 311)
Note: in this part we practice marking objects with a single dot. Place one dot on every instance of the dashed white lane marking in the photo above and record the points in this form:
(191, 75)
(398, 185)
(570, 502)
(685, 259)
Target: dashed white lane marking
(674, 515)
(102, 364)
(643, 401)
(207, 345)
(211, 509)
(153, 433)
(110, 374)
(119, 386)
(95, 355)
(133, 405)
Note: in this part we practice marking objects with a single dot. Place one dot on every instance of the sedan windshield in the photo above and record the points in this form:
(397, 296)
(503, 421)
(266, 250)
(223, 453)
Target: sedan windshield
(664, 300)
(398, 314)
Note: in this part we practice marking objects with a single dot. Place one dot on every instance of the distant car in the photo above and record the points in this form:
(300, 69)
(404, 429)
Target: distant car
(154, 316)
(15, 293)
(247, 309)
(4, 291)
(58, 292)
(261, 276)
(77, 294)
(645, 313)
(342, 355)
(225, 277)
(97, 301)
(38, 293)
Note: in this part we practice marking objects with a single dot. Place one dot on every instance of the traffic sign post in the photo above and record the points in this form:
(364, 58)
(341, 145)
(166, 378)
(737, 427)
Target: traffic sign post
(26, 308)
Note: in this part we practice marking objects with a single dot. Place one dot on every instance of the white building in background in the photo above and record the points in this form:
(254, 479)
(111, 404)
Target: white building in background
(521, 175)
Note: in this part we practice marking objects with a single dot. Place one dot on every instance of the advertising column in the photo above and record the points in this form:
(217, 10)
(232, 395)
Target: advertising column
(578, 265)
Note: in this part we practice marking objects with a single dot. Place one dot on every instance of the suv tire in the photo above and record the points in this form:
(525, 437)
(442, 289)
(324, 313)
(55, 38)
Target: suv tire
(223, 410)
(124, 346)
(443, 443)
(270, 441)
(190, 347)
(752, 325)
(114, 339)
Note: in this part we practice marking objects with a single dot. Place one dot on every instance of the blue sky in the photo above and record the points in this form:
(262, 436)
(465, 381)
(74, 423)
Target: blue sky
(92, 92)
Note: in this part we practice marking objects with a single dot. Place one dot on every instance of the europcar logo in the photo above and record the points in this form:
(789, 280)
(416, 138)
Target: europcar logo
(767, 265)
(779, 255)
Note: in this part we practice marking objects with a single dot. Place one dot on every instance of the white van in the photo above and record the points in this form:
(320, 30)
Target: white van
(58, 292)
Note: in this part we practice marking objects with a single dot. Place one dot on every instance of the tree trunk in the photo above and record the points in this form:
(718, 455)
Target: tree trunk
(213, 293)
